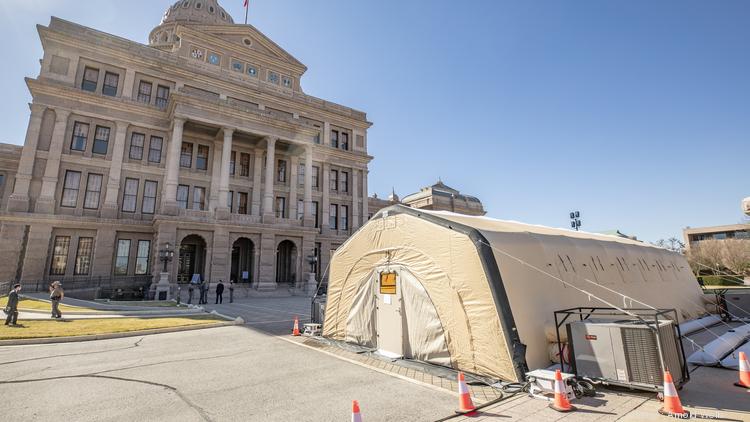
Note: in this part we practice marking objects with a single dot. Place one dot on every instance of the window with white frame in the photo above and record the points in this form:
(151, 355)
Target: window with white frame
(154, 149)
(144, 92)
(130, 195)
(149, 196)
(137, 141)
(199, 198)
(70, 189)
(142, 257)
(80, 136)
(101, 140)
(83, 256)
(111, 80)
(123, 257)
(93, 191)
(182, 196)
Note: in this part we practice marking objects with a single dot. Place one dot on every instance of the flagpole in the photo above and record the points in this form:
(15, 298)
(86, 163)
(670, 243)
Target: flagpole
(247, 9)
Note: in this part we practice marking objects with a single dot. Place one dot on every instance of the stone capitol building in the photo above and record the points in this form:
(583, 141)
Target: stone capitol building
(202, 140)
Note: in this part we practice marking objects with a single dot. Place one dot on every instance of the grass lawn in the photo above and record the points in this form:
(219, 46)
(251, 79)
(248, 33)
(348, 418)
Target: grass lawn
(26, 304)
(82, 327)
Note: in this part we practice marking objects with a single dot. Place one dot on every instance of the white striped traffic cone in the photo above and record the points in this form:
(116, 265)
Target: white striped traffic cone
(561, 403)
(356, 417)
(672, 405)
(465, 404)
(744, 381)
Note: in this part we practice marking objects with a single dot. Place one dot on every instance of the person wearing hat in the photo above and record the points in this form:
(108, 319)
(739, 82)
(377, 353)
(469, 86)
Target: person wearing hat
(56, 294)
(11, 309)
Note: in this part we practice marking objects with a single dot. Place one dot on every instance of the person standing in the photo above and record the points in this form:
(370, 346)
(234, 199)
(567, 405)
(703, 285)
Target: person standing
(220, 292)
(11, 310)
(56, 295)
(231, 291)
(191, 289)
(204, 293)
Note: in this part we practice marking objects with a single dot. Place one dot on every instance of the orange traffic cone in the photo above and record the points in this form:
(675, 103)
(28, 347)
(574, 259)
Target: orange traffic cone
(561, 403)
(744, 372)
(295, 330)
(672, 405)
(356, 417)
(465, 406)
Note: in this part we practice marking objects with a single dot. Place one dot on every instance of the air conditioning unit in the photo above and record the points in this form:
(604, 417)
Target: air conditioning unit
(625, 352)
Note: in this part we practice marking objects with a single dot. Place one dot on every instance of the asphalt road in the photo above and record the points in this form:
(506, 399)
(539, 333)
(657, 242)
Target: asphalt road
(223, 374)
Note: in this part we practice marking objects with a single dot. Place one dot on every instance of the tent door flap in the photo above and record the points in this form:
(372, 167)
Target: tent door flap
(389, 316)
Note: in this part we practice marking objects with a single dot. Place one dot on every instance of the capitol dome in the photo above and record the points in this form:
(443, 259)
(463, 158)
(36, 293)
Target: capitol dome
(186, 12)
(746, 205)
(206, 12)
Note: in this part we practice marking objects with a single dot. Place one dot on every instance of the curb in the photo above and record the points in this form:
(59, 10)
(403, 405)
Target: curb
(76, 339)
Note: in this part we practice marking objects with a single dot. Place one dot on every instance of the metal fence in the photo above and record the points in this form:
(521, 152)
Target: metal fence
(132, 287)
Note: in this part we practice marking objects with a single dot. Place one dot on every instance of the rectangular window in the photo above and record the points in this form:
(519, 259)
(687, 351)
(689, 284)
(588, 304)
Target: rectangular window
(162, 96)
(244, 165)
(60, 255)
(144, 92)
(199, 198)
(335, 138)
(232, 162)
(142, 258)
(136, 146)
(344, 141)
(301, 175)
(186, 155)
(344, 217)
(149, 196)
(182, 196)
(90, 79)
(154, 150)
(101, 140)
(316, 177)
(344, 182)
(123, 256)
(230, 201)
(130, 195)
(281, 171)
(70, 189)
(83, 256)
(334, 180)
(280, 207)
(315, 214)
(333, 217)
(242, 203)
(80, 135)
(201, 160)
(111, 80)
(300, 209)
(93, 191)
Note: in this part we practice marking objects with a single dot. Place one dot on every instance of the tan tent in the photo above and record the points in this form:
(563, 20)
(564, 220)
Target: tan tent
(476, 294)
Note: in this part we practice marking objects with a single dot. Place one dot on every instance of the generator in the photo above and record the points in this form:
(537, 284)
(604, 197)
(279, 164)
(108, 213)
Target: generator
(629, 352)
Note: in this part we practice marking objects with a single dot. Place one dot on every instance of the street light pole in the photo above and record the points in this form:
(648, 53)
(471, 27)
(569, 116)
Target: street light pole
(575, 220)
(166, 255)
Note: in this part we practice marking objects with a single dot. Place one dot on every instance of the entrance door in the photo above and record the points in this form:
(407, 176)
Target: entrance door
(187, 263)
(389, 314)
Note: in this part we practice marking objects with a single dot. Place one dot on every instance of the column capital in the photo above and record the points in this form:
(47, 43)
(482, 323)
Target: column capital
(61, 115)
(121, 125)
(228, 131)
(271, 140)
(37, 108)
(179, 121)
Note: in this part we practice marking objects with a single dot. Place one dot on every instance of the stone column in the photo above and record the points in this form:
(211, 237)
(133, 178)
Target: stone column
(46, 202)
(355, 200)
(293, 164)
(268, 212)
(309, 222)
(257, 182)
(169, 197)
(19, 199)
(37, 249)
(267, 267)
(326, 205)
(127, 86)
(327, 134)
(214, 203)
(365, 195)
(226, 156)
(109, 209)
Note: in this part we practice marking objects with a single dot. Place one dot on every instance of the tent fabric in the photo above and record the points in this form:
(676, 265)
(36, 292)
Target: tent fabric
(493, 283)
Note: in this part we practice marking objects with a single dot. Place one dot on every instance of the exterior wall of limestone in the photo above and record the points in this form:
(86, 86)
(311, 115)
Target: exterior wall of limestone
(251, 113)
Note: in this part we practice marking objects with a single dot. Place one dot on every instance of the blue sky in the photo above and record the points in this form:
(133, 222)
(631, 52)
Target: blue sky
(637, 113)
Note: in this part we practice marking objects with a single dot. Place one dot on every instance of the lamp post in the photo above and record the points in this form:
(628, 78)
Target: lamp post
(575, 219)
(166, 255)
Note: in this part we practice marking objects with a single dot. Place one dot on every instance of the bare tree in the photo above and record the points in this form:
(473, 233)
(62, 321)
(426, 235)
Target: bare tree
(706, 256)
(736, 256)
(672, 244)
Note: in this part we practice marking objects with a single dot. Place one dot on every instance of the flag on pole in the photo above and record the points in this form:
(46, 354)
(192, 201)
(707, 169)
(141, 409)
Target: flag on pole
(247, 9)
(246, 3)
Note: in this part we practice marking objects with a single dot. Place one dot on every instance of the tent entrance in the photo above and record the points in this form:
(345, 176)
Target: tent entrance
(389, 315)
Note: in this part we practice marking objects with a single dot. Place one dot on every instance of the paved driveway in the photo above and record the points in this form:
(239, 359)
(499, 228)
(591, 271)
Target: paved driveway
(222, 374)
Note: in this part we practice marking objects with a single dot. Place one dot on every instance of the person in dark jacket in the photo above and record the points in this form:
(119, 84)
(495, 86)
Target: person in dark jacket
(220, 292)
(191, 289)
(12, 308)
(204, 293)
